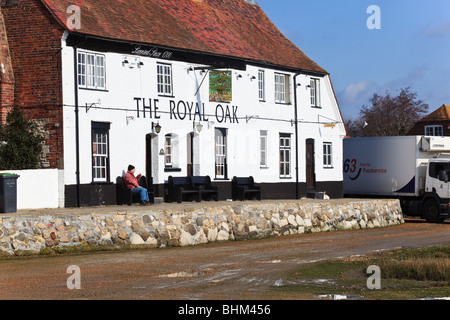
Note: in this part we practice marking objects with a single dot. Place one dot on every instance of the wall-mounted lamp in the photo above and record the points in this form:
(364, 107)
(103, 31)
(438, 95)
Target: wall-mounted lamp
(156, 127)
(125, 61)
(253, 78)
(129, 119)
(238, 75)
(140, 63)
(190, 69)
(198, 126)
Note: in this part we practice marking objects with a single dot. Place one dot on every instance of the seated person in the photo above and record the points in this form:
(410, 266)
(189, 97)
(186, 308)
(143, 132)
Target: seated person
(131, 182)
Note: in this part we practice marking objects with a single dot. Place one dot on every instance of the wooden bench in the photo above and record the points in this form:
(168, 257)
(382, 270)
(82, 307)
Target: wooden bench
(180, 188)
(207, 190)
(125, 196)
(244, 188)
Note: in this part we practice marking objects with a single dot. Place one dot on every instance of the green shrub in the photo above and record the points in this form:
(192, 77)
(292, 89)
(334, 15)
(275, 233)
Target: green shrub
(20, 147)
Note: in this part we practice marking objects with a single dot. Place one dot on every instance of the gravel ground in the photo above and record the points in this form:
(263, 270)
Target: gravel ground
(220, 271)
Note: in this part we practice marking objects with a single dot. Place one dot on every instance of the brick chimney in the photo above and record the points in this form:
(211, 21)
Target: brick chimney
(6, 72)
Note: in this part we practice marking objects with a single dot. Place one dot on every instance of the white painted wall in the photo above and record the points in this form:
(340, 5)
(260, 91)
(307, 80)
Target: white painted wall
(127, 134)
(38, 189)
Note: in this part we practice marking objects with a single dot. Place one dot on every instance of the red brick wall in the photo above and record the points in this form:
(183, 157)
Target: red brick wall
(35, 46)
(6, 74)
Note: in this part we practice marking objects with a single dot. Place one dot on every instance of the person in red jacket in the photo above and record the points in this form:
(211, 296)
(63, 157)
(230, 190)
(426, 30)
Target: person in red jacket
(132, 182)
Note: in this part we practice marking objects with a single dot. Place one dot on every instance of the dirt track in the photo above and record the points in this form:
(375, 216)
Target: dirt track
(232, 270)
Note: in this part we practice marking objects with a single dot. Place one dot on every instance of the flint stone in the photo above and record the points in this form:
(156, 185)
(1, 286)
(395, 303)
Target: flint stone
(186, 239)
(191, 229)
(122, 234)
(223, 235)
(212, 234)
(144, 235)
(109, 221)
(152, 241)
(200, 237)
(147, 219)
(292, 220)
(136, 239)
(307, 222)
(20, 237)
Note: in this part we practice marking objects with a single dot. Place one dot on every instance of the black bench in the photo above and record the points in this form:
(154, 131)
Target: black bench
(244, 188)
(180, 188)
(207, 191)
(125, 196)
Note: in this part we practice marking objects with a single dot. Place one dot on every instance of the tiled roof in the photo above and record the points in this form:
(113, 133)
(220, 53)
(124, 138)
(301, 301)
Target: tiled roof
(233, 28)
(441, 114)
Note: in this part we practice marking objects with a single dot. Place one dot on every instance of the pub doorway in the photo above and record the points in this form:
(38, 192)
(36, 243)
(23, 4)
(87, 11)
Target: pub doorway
(310, 165)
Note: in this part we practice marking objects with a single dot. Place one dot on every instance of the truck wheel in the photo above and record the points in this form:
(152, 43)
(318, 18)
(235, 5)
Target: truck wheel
(431, 213)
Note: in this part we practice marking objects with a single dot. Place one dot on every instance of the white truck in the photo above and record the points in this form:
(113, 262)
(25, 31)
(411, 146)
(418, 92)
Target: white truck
(413, 169)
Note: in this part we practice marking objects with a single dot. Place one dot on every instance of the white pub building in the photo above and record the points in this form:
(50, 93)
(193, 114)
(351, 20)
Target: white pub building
(189, 87)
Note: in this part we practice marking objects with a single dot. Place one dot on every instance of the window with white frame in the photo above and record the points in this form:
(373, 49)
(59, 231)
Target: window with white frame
(285, 155)
(434, 131)
(221, 153)
(91, 71)
(261, 85)
(100, 71)
(263, 149)
(281, 88)
(82, 70)
(315, 92)
(327, 155)
(100, 151)
(164, 79)
(168, 151)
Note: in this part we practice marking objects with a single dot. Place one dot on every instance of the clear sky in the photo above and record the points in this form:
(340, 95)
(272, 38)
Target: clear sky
(412, 48)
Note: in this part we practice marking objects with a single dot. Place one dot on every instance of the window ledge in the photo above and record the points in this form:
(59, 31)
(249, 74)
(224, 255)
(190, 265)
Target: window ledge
(172, 169)
(93, 89)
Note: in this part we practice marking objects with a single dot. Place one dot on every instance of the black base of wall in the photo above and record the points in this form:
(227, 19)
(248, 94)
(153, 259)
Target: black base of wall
(105, 194)
(90, 195)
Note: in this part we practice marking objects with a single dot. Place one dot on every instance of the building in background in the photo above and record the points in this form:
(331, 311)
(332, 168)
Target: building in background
(176, 88)
(436, 123)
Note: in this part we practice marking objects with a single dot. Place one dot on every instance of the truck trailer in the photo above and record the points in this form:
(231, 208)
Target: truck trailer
(413, 169)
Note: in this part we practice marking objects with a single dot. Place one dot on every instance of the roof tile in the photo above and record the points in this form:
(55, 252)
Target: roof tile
(443, 113)
(233, 28)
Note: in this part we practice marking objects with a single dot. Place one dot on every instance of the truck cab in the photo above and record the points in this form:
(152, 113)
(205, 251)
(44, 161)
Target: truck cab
(436, 201)
(437, 179)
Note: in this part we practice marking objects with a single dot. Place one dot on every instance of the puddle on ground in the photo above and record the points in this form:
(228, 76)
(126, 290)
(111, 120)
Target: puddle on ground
(338, 297)
(181, 274)
(325, 282)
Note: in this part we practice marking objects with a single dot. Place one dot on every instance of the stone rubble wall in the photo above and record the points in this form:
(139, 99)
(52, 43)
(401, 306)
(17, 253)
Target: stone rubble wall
(187, 227)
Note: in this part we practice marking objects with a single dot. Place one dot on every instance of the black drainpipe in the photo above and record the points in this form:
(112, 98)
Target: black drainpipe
(77, 124)
(297, 196)
(77, 120)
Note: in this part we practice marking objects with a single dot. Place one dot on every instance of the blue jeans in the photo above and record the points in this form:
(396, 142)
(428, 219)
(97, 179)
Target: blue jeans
(143, 192)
